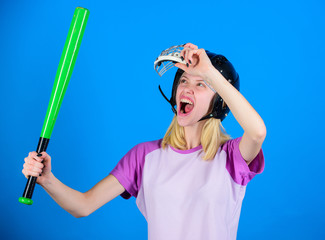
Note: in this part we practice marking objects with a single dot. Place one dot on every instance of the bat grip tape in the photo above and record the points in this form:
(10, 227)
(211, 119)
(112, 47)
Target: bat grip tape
(30, 185)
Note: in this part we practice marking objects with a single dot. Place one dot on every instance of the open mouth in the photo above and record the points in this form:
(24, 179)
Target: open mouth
(186, 106)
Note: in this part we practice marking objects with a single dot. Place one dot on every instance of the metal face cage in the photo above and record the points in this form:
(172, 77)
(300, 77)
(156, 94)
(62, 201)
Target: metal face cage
(167, 59)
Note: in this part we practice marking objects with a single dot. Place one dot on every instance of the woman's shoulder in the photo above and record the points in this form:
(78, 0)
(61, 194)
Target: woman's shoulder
(148, 146)
(237, 166)
(230, 143)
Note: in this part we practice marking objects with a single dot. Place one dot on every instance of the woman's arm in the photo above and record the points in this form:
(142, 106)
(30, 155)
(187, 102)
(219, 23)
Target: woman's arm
(253, 125)
(76, 203)
(244, 113)
(82, 204)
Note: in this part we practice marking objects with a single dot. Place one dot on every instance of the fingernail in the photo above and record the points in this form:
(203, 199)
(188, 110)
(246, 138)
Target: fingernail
(190, 61)
(39, 155)
(187, 65)
(182, 58)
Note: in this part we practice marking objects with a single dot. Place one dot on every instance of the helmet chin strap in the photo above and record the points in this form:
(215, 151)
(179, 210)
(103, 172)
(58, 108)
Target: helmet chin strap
(162, 93)
(210, 115)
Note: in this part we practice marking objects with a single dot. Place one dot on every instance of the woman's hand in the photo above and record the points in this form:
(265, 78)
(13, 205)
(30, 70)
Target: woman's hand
(37, 165)
(198, 62)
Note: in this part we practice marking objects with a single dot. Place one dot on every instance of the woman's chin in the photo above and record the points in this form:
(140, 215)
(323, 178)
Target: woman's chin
(190, 120)
(186, 121)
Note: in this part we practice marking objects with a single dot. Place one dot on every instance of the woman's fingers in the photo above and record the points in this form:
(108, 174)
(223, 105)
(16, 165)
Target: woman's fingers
(191, 59)
(30, 170)
(38, 158)
(37, 164)
(186, 56)
(181, 66)
(33, 165)
(191, 56)
(33, 162)
(35, 155)
(188, 52)
(185, 53)
(28, 173)
(196, 60)
(190, 45)
(45, 157)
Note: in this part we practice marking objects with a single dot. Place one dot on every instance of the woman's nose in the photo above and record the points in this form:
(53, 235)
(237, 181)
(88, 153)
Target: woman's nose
(189, 89)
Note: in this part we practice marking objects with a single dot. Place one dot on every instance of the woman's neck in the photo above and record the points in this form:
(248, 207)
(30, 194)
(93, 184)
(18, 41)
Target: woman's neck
(193, 135)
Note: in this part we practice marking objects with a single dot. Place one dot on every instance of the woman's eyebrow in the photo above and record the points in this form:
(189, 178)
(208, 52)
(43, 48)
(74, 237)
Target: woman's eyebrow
(197, 80)
(200, 81)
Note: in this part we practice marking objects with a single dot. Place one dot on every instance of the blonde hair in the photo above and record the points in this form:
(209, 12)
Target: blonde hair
(212, 137)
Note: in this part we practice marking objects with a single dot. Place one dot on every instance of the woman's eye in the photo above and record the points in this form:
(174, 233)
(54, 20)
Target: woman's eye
(201, 85)
(183, 81)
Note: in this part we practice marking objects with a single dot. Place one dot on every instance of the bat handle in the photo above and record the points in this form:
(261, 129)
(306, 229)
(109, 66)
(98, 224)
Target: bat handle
(30, 185)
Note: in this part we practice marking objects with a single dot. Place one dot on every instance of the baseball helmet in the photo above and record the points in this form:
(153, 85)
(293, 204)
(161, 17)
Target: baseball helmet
(219, 109)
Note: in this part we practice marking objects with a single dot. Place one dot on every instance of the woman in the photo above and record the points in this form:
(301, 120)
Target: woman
(191, 183)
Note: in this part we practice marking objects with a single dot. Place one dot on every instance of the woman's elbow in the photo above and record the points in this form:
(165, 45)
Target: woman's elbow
(81, 211)
(261, 133)
(80, 214)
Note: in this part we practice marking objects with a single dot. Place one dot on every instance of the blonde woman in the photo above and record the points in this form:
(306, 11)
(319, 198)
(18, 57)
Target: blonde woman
(191, 183)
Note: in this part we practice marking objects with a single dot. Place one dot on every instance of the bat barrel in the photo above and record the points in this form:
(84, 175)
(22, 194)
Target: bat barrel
(65, 68)
(62, 78)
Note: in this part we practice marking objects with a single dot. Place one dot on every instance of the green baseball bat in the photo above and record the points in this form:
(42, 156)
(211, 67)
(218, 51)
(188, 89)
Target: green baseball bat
(62, 78)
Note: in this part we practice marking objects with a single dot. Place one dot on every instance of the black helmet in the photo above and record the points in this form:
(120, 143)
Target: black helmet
(227, 70)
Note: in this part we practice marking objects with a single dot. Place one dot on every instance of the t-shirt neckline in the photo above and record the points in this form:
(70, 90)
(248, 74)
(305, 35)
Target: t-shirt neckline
(186, 151)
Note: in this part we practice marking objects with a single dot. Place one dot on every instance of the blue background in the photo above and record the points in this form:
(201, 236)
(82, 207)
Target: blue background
(113, 103)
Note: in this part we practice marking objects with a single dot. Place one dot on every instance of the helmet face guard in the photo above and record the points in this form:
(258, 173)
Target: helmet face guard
(168, 58)
(219, 109)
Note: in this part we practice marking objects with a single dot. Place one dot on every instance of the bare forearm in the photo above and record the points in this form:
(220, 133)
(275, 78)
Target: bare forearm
(77, 203)
(69, 199)
(244, 113)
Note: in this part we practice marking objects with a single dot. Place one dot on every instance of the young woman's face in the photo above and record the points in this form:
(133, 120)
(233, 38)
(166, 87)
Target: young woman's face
(193, 99)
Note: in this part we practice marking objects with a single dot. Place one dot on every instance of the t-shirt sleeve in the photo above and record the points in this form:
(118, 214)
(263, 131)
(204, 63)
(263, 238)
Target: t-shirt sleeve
(128, 171)
(236, 165)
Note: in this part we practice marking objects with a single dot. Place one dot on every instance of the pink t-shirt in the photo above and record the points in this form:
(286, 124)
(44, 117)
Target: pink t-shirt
(184, 197)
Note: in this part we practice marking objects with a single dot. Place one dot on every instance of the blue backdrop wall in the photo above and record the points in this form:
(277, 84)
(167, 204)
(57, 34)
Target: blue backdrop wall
(113, 103)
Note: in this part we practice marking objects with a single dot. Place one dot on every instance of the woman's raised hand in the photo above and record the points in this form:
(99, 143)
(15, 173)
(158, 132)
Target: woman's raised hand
(37, 165)
(198, 62)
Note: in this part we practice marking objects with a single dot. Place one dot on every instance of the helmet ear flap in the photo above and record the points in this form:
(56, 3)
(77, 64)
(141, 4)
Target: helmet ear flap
(213, 102)
(221, 109)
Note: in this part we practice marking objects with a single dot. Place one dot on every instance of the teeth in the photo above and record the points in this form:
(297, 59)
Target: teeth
(186, 101)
